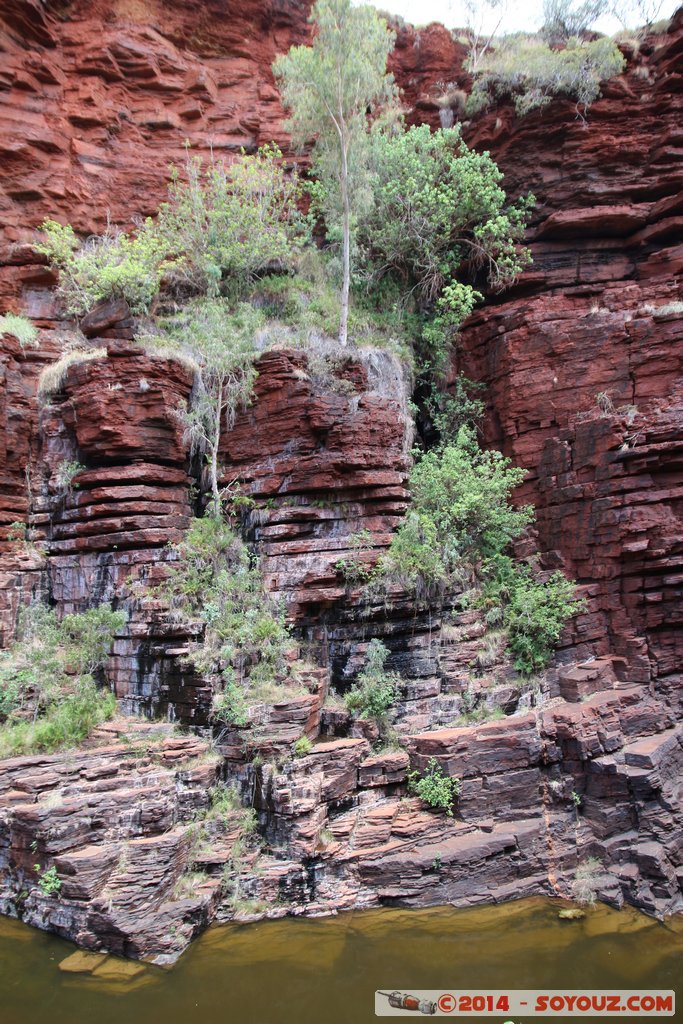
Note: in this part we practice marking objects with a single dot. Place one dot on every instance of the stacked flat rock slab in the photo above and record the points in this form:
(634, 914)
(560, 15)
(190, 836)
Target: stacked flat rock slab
(112, 820)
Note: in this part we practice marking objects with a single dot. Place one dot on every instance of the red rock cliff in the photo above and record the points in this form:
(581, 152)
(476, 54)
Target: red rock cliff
(97, 100)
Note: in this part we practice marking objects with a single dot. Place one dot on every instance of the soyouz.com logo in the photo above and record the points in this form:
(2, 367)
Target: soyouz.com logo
(542, 1003)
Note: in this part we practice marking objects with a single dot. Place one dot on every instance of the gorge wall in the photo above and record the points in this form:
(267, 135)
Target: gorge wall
(582, 365)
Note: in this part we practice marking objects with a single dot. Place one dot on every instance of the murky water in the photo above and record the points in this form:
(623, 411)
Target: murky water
(326, 971)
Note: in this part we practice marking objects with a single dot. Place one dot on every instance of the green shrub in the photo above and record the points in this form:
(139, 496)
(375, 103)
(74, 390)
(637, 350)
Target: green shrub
(526, 69)
(534, 610)
(440, 216)
(49, 657)
(375, 690)
(65, 475)
(438, 206)
(456, 408)
(49, 881)
(112, 265)
(460, 513)
(17, 532)
(48, 698)
(22, 329)
(216, 231)
(229, 706)
(357, 569)
(215, 579)
(65, 723)
(302, 747)
(229, 222)
(434, 787)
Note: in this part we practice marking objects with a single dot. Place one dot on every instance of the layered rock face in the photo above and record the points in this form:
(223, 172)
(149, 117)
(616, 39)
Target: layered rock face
(588, 766)
(583, 362)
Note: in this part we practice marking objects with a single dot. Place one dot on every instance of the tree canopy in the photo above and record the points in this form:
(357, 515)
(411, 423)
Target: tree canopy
(329, 87)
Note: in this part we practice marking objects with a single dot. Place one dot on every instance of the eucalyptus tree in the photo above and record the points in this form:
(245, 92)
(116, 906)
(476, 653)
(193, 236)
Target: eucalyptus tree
(329, 88)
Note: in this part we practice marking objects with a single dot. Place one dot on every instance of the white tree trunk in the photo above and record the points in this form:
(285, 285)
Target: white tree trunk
(214, 445)
(346, 248)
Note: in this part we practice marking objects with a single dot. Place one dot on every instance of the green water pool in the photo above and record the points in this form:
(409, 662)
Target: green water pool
(300, 971)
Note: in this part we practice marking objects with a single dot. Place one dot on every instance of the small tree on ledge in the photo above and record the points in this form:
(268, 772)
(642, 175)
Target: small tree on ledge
(329, 88)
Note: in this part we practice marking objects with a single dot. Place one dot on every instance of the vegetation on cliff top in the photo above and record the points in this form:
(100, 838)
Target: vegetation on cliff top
(531, 69)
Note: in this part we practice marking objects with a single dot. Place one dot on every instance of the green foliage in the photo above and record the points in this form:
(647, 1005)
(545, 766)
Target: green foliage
(308, 303)
(230, 704)
(216, 231)
(22, 329)
(375, 690)
(534, 610)
(302, 747)
(358, 569)
(531, 73)
(329, 88)
(456, 408)
(63, 725)
(49, 881)
(434, 787)
(112, 265)
(438, 207)
(215, 580)
(221, 343)
(229, 222)
(17, 532)
(460, 513)
(48, 698)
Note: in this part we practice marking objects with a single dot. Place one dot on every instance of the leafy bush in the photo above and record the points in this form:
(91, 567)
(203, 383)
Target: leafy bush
(531, 73)
(64, 724)
(216, 230)
(375, 690)
(438, 206)
(65, 474)
(440, 216)
(48, 697)
(112, 265)
(358, 568)
(50, 658)
(534, 610)
(434, 787)
(22, 329)
(215, 580)
(49, 881)
(229, 706)
(456, 408)
(460, 513)
(231, 221)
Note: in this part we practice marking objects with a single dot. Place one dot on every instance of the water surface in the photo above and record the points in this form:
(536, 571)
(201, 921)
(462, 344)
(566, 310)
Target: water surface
(325, 971)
